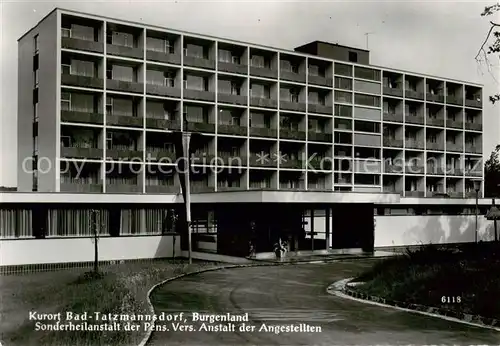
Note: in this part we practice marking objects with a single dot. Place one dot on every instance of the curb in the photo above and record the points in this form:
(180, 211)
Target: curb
(146, 338)
(326, 260)
(342, 286)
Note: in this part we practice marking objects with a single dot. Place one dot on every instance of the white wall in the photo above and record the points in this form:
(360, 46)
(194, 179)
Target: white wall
(31, 251)
(435, 229)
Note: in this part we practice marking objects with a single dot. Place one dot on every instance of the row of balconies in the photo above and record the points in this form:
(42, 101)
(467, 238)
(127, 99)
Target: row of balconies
(438, 146)
(429, 97)
(432, 121)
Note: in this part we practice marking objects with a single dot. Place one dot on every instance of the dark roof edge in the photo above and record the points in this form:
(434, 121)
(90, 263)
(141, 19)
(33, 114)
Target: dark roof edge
(332, 44)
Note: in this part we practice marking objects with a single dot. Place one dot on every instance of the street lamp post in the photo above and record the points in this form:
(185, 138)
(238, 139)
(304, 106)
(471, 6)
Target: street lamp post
(477, 188)
(186, 139)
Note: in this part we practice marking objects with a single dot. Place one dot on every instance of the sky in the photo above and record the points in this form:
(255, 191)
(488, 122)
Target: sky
(430, 37)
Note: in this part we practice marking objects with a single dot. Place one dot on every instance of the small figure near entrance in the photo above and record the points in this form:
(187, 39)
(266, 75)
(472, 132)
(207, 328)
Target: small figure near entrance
(251, 249)
(280, 249)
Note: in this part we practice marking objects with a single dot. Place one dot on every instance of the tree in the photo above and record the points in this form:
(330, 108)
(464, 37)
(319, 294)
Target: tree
(95, 226)
(493, 48)
(492, 174)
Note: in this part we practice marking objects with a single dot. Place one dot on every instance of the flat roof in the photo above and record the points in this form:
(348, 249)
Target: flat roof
(288, 51)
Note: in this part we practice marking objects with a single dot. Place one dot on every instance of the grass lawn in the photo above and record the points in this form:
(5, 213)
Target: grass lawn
(425, 276)
(122, 290)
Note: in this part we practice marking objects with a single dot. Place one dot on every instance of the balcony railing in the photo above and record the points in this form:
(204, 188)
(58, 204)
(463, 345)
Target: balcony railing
(414, 169)
(435, 146)
(129, 52)
(414, 144)
(454, 147)
(262, 160)
(394, 117)
(159, 123)
(160, 154)
(415, 119)
(200, 95)
(81, 153)
(319, 108)
(199, 62)
(455, 124)
(435, 121)
(388, 168)
(416, 194)
(263, 132)
(292, 76)
(292, 185)
(454, 100)
(198, 188)
(474, 149)
(161, 90)
(233, 68)
(457, 172)
(393, 91)
(80, 187)
(85, 45)
(124, 154)
(124, 120)
(123, 188)
(263, 72)
(227, 159)
(474, 126)
(413, 94)
(455, 194)
(168, 189)
(392, 142)
(320, 137)
(320, 80)
(163, 57)
(201, 127)
(125, 86)
(82, 81)
(474, 103)
(435, 98)
(82, 117)
(263, 102)
(433, 170)
(293, 106)
(321, 163)
(473, 172)
(232, 99)
(292, 134)
(438, 192)
(227, 185)
(232, 129)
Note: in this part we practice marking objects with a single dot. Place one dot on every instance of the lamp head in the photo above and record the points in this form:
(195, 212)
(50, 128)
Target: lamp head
(477, 184)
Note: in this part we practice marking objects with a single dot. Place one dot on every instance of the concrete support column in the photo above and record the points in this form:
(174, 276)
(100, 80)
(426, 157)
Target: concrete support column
(312, 229)
(327, 228)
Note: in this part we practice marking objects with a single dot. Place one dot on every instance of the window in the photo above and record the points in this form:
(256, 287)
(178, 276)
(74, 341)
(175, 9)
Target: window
(65, 69)
(235, 59)
(168, 47)
(313, 70)
(235, 120)
(35, 145)
(35, 77)
(353, 57)
(35, 44)
(65, 32)
(294, 96)
(169, 82)
(109, 72)
(35, 112)
(109, 105)
(65, 141)
(432, 138)
(166, 114)
(65, 101)
(235, 89)
(109, 140)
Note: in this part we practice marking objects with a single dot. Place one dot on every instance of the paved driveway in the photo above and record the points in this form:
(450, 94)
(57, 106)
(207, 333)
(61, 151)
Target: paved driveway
(297, 294)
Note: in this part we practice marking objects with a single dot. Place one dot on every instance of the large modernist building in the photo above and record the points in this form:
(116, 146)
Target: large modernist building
(315, 137)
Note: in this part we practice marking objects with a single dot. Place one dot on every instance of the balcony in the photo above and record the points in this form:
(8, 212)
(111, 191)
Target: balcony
(124, 120)
(435, 146)
(473, 173)
(414, 144)
(415, 119)
(159, 154)
(389, 168)
(262, 160)
(160, 90)
(415, 194)
(394, 117)
(82, 117)
(263, 72)
(80, 187)
(454, 100)
(232, 68)
(82, 81)
(435, 98)
(435, 121)
(393, 91)
(319, 108)
(263, 132)
(125, 86)
(232, 129)
(454, 147)
(474, 103)
(474, 149)
(124, 154)
(201, 127)
(85, 45)
(163, 57)
(474, 126)
(82, 153)
(455, 194)
(455, 124)
(226, 159)
(293, 106)
(413, 94)
(162, 124)
(232, 99)
(392, 142)
(319, 137)
(199, 62)
(292, 163)
(413, 169)
(292, 76)
(457, 172)
(129, 52)
(292, 134)
(199, 95)
(263, 102)
(198, 188)
(167, 189)
(438, 192)
(123, 188)
(320, 163)
(433, 170)
(320, 80)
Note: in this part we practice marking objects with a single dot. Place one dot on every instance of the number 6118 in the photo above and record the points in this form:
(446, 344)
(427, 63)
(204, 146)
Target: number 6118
(451, 300)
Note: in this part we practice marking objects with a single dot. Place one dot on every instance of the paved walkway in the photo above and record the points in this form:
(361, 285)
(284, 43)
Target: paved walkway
(297, 294)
